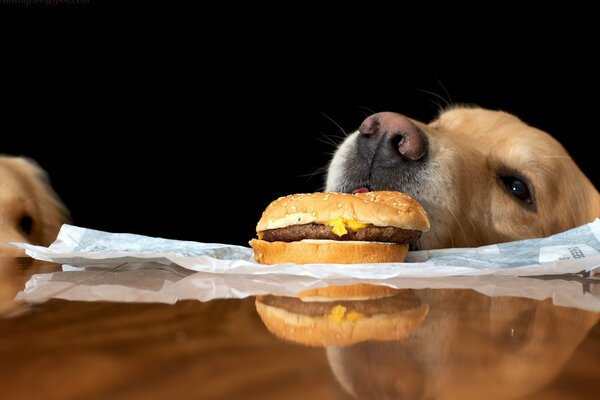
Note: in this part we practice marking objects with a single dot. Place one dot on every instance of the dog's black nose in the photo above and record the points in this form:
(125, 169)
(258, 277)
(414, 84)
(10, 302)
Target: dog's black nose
(389, 138)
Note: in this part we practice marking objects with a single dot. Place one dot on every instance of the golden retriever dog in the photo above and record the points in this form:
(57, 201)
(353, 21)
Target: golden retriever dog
(30, 210)
(482, 176)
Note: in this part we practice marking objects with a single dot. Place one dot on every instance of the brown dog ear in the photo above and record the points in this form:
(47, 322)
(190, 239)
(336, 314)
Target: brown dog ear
(53, 212)
(596, 207)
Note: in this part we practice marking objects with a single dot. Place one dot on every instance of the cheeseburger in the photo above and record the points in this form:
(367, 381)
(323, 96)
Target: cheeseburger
(343, 315)
(368, 227)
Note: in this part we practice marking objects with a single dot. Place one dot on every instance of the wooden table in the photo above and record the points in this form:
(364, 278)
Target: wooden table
(470, 346)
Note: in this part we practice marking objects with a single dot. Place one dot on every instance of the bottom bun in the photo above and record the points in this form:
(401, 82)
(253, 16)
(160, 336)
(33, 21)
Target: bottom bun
(327, 252)
(356, 291)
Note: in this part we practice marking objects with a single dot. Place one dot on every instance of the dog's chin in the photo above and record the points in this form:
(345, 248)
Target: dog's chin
(364, 180)
(414, 246)
(368, 186)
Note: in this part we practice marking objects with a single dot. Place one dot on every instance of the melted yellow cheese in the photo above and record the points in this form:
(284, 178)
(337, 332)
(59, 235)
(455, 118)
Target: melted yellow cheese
(340, 225)
(260, 235)
(354, 316)
(337, 314)
(354, 224)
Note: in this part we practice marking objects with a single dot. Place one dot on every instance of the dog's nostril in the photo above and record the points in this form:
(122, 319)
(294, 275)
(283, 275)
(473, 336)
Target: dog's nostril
(412, 143)
(395, 139)
(370, 126)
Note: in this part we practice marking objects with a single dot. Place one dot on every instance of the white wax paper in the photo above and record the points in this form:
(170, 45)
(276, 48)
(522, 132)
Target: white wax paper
(568, 252)
(128, 267)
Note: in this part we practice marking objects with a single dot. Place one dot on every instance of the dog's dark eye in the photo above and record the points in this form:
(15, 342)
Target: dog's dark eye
(26, 224)
(518, 188)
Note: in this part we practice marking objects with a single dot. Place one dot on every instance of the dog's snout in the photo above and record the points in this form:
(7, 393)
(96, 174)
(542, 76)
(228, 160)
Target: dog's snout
(391, 137)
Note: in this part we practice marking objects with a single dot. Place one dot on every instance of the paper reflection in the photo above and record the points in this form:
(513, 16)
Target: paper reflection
(153, 282)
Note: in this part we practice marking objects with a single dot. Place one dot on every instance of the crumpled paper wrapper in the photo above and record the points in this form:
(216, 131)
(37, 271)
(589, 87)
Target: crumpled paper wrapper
(127, 267)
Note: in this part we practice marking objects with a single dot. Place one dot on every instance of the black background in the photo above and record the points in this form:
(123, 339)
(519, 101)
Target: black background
(154, 123)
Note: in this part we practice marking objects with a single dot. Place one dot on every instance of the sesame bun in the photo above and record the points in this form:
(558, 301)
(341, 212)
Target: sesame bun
(381, 208)
(340, 228)
(327, 252)
(343, 315)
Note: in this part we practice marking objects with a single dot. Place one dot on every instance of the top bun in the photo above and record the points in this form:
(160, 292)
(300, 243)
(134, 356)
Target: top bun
(383, 208)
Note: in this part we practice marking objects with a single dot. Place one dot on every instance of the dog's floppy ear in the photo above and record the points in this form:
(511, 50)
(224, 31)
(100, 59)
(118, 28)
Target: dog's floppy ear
(53, 212)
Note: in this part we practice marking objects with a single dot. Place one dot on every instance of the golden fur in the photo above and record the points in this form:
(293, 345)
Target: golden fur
(25, 193)
(460, 183)
(470, 346)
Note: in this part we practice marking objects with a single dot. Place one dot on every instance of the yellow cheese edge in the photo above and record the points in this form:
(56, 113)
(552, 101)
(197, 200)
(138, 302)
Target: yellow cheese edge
(339, 226)
(338, 315)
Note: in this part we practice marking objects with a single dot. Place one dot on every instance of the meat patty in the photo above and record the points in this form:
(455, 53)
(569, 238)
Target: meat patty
(386, 305)
(295, 233)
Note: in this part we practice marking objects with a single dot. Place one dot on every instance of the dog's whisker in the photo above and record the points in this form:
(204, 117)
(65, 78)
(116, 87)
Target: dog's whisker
(449, 102)
(444, 101)
(318, 171)
(477, 235)
(437, 105)
(464, 234)
(365, 108)
(328, 140)
(344, 133)
(336, 137)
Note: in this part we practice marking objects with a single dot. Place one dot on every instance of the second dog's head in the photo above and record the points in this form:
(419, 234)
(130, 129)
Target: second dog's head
(30, 210)
(482, 176)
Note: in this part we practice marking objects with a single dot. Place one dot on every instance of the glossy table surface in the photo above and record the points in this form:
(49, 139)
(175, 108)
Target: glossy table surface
(469, 345)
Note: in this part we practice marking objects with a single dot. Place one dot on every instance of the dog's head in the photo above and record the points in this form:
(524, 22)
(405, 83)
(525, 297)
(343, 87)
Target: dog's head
(482, 176)
(30, 210)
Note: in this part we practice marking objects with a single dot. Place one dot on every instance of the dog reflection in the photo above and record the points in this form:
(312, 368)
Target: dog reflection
(30, 210)
(470, 347)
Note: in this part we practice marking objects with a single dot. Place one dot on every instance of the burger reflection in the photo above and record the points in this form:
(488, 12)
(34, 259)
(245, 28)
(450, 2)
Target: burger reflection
(430, 344)
(342, 315)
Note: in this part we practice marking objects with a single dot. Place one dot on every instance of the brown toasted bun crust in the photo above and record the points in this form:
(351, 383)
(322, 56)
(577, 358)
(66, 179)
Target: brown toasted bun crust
(327, 252)
(379, 208)
(321, 331)
(357, 291)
